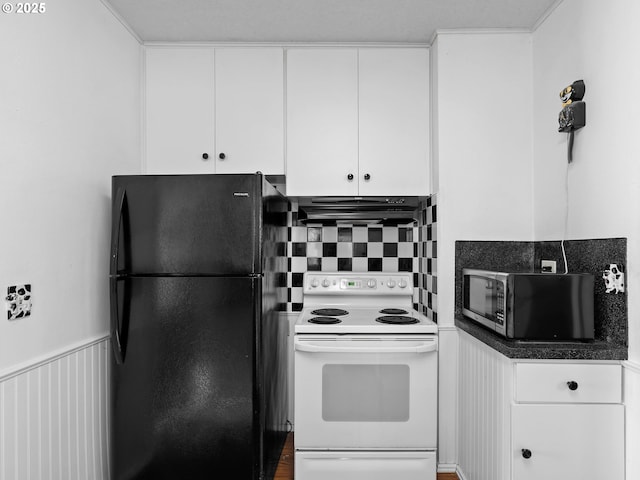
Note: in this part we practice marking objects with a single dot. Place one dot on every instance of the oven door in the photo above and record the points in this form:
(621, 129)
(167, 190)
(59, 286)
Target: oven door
(364, 392)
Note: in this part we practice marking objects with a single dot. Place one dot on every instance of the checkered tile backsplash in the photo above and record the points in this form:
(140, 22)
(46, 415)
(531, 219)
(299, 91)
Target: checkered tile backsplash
(428, 259)
(355, 248)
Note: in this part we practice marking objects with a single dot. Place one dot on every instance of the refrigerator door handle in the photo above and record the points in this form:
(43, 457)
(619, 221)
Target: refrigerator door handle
(119, 202)
(116, 326)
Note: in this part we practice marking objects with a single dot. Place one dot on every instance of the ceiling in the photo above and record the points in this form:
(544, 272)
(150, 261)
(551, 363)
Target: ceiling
(311, 21)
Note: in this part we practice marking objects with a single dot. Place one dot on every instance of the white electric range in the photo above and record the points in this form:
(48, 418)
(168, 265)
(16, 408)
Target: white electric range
(365, 380)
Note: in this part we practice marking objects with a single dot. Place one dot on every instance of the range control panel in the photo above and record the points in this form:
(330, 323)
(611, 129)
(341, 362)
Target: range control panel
(356, 284)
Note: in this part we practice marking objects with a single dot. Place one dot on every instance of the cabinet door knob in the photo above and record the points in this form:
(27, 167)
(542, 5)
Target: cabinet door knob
(572, 385)
(205, 155)
(367, 176)
(526, 453)
(350, 177)
(222, 156)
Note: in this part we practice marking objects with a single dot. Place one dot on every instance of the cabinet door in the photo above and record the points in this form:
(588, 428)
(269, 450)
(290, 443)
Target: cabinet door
(179, 110)
(394, 121)
(322, 121)
(568, 442)
(249, 110)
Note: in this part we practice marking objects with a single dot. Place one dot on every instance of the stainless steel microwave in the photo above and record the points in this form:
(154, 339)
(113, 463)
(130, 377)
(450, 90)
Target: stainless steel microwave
(530, 306)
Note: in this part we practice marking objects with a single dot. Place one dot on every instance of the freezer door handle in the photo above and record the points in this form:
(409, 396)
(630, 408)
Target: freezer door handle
(116, 326)
(421, 346)
(119, 203)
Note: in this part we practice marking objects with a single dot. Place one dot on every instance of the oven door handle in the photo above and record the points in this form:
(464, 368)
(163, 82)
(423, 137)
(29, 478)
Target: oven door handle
(422, 346)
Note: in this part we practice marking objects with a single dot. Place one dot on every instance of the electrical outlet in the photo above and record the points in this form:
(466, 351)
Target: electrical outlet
(548, 266)
(18, 301)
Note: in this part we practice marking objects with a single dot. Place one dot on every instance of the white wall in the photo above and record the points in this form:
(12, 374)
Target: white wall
(484, 145)
(482, 152)
(598, 42)
(604, 179)
(69, 119)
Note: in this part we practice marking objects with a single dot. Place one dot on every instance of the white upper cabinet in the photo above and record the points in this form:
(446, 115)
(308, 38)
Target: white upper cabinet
(322, 122)
(179, 110)
(394, 121)
(249, 103)
(214, 110)
(358, 121)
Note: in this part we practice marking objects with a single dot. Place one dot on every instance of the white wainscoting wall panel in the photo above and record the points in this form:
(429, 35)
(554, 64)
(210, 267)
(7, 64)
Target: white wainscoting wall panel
(485, 388)
(447, 397)
(53, 418)
(631, 382)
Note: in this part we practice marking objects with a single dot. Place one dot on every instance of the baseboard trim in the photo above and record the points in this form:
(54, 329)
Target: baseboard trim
(447, 468)
(459, 473)
(64, 352)
(447, 328)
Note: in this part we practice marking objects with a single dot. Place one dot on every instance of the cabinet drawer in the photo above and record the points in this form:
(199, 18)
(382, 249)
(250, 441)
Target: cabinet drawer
(358, 465)
(568, 383)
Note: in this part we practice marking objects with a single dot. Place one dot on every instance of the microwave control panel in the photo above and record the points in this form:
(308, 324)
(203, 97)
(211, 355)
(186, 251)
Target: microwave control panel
(500, 304)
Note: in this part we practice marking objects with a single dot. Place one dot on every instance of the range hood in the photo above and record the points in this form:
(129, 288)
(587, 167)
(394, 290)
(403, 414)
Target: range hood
(358, 210)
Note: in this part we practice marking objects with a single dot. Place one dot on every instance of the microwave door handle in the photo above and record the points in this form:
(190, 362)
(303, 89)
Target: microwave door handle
(422, 347)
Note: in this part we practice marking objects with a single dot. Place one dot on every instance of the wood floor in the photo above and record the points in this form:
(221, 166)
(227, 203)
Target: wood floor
(285, 467)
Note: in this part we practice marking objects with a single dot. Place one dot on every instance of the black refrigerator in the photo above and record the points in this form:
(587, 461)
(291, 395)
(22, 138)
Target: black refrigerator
(198, 369)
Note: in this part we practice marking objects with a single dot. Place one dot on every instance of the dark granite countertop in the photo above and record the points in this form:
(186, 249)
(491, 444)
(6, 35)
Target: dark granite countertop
(595, 350)
(583, 256)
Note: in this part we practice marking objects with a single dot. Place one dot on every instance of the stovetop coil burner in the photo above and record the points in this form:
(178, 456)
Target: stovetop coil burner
(329, 312)
(324, 320)
(393, 311)
(397, 319)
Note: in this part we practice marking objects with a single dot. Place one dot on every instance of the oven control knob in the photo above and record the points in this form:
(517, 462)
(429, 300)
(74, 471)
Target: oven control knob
(314, 283)
(371, 283)
(391, 283)
(325, 282)
(402, 283)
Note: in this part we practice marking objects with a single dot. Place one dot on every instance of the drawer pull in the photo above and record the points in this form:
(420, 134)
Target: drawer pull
(526, 453)
(572, 385)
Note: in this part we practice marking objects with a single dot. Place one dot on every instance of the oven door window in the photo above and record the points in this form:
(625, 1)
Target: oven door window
(365, 393)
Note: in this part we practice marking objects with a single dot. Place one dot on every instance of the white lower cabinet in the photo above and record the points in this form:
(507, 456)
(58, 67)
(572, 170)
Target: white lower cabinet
(371, 465)
(526, 419)
(568, 421)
